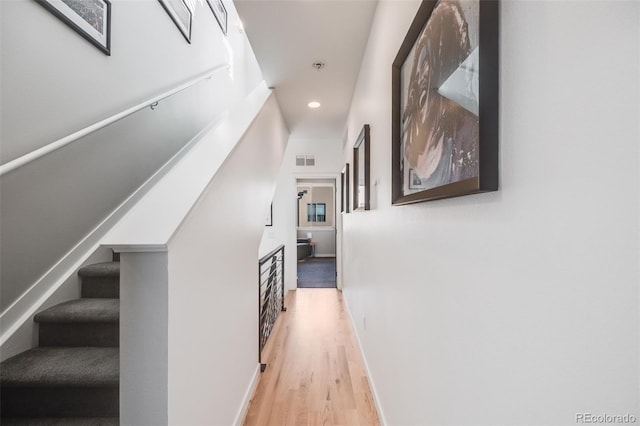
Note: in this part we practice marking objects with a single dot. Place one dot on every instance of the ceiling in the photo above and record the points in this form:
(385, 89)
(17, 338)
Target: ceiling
(287, 37)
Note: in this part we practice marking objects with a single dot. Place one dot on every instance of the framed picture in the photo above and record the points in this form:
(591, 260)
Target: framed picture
(269, 221)
(445, 103)
(89, 18)
(361, 187)
(220, 12)
(180, 14)
(344, 179)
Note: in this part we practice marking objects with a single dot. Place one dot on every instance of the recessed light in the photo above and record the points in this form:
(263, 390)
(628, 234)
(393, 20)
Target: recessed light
(313, 104)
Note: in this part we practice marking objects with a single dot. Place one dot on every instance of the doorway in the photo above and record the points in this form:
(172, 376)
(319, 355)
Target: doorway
(316, 232)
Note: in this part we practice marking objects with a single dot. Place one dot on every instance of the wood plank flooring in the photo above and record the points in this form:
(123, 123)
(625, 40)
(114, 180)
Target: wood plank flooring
(315, 374)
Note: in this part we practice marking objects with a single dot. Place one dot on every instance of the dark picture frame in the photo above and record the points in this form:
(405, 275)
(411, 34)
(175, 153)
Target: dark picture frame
(89, 18)
(270, 216)
(445, 103)
(344, 180)
(181, 15)
(220, 12)
(361, 170)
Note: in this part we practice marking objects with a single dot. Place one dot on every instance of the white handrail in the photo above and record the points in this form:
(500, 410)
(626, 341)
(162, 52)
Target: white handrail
(53, 146)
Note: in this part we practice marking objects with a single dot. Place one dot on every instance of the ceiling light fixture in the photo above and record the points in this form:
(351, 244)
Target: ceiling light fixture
(313, 104)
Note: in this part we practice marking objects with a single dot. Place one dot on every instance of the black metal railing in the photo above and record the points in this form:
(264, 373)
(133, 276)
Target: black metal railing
(270, 296)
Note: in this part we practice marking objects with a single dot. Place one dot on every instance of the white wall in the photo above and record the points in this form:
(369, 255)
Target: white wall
(519, 306)
(213, 288)
(200, 222)
(144, 337)
(328, 153)
(53, 82)
(323, 239)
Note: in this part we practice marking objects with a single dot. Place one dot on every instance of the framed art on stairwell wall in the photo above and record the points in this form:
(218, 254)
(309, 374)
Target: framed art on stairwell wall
(220, 12)
(89, 18)
(180, 14)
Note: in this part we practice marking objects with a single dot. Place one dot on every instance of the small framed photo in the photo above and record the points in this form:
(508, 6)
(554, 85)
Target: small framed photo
(344, 178)
(220, 12)
(89, 18)
(361, 173)
(180, 14)
(269, 216)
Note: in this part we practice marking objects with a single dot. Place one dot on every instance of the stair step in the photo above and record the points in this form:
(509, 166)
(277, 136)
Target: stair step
(61, 382)
(62, 421)
(101, 280)
(80, 322)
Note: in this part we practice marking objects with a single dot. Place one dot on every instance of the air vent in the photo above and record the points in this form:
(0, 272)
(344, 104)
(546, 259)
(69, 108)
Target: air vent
(305, 160)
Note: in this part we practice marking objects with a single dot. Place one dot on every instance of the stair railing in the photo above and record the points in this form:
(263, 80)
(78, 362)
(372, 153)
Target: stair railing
(150, 103)
(270, 296)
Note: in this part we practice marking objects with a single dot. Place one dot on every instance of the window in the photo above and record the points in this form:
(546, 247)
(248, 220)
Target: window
(316, 212)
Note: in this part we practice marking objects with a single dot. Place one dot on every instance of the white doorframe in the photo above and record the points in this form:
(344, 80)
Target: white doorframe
(337, 196)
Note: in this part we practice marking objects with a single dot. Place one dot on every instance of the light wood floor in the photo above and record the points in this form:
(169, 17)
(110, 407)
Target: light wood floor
(315, 374)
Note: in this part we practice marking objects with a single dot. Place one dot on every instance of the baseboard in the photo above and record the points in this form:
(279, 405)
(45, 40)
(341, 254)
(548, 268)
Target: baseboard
(244, 407)
(23, 309)
(324, 255)
(376, 400)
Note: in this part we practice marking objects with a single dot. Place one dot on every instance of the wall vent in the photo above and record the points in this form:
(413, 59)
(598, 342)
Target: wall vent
(305, 160)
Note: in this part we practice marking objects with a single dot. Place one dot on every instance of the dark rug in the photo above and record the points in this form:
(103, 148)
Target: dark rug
(317, 272)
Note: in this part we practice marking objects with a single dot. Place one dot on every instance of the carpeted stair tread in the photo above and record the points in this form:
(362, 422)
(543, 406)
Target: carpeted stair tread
(73, 377)
(62, 421)
(82, 311)
(100, 280)
(62, 367)
(104, 269)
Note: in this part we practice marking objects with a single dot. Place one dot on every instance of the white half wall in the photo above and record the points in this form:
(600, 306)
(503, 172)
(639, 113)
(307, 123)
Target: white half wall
(213, 281)
(518, 307)
(144, 338)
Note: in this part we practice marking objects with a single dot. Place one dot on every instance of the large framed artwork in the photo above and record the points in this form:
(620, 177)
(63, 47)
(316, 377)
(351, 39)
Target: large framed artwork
(344, 178)
(361, 172)
(220, 12)
(445, 103)
(180, 15)
(89, 18)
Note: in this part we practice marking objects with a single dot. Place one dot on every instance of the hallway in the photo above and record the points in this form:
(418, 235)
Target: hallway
(317, 272)
(315, 374)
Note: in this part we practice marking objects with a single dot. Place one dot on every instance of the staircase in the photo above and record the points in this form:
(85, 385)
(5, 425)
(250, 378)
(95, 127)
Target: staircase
(72, 377)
